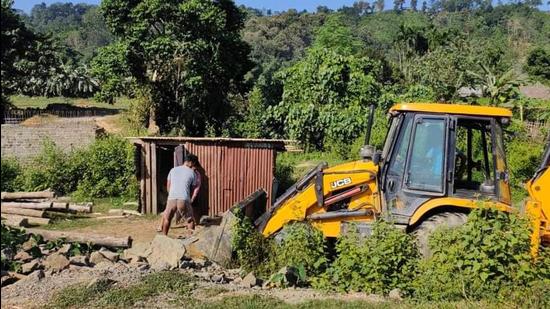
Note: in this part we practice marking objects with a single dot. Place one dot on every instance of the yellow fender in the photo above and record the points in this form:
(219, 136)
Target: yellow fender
(454, 202)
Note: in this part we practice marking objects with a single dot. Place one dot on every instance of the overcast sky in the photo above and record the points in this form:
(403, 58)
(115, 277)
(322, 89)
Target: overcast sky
(274, 5)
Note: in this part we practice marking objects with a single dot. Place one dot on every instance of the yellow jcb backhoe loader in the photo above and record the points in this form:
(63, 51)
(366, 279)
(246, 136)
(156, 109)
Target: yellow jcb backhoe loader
(439, 161)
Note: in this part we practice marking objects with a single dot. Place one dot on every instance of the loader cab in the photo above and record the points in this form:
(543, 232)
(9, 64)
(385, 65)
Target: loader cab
(440, 150)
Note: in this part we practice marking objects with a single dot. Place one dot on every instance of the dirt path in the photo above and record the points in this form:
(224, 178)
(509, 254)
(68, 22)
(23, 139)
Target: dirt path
(141, 229)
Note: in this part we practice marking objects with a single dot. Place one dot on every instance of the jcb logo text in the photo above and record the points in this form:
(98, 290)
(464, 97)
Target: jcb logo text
(340, 183)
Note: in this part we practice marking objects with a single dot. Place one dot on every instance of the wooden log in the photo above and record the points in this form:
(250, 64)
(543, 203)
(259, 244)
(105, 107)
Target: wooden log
(80, 208)
(22, 212)
(84, 238)
(27, 195)
(111, 217)
(27, 205)
(124, 212)
(57, 214)
(30, 220)
(16, 221)
(60, 206)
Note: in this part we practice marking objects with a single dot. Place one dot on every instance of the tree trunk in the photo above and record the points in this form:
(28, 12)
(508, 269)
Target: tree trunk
(27, 195)
(84, 238)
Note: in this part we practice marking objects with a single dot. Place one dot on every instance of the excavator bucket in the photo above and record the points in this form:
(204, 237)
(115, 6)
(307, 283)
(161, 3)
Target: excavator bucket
(214, 241)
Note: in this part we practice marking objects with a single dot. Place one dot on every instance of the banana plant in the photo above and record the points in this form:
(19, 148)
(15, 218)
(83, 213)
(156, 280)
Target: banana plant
(499, 89)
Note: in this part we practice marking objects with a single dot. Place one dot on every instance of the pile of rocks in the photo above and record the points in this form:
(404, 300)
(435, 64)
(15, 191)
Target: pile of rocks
(37, 261)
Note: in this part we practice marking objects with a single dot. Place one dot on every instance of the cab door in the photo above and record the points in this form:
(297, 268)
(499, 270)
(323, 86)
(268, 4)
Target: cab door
(417, 167)
(501, 169)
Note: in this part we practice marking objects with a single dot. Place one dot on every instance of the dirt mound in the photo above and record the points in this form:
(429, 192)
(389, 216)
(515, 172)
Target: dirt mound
(39, 120)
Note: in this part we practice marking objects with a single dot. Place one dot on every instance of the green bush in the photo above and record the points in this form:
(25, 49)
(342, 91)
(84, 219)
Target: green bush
(523, 157)
(385, 260)
(302, 246)
(253, 252)
(52, 169)
(108, 169)
(104, 169)
(483, 259)
(10, 170)
(12, 238)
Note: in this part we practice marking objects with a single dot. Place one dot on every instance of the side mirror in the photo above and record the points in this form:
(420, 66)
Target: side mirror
(369, 153)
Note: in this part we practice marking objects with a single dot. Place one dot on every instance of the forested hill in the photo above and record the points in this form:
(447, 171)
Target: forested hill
(503, 34)
(212, 68)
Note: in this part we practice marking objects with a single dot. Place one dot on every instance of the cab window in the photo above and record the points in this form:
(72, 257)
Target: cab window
(426, 164)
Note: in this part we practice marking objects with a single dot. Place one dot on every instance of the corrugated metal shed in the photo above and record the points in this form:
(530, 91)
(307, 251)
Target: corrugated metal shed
(232, 169)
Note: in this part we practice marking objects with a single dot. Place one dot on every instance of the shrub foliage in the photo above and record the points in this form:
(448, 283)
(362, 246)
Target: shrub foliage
(105, 168)
(385, 260)
(482, 259)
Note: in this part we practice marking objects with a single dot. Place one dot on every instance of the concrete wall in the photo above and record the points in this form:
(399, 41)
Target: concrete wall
(25, 140)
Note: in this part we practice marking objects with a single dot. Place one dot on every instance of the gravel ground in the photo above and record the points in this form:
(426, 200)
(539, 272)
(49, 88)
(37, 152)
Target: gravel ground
(31, 293)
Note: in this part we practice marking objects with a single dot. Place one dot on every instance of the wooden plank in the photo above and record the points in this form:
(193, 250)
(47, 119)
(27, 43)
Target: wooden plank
(154, 184)
(147, 178)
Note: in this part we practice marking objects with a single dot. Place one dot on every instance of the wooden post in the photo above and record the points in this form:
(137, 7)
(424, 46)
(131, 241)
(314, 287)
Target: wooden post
(142, 172)
(147, 178)
(154, 184)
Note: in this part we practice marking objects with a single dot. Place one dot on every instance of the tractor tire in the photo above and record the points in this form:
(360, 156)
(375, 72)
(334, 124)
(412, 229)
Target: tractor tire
(426, 228)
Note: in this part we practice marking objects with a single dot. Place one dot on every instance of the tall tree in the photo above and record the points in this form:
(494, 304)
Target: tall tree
(424, 6)
(337, 36)
(414, 4)
(398, 5)
(379, 4)
(325, 98)
(188, 54)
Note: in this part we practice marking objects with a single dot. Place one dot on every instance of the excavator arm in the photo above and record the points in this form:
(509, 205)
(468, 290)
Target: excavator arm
(327, 197)
(538, 203)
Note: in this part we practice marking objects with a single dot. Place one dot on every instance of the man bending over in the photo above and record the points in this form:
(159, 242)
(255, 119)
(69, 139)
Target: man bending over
(181, 181)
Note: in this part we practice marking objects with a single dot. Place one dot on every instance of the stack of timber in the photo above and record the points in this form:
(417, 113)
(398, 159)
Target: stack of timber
(36, 208)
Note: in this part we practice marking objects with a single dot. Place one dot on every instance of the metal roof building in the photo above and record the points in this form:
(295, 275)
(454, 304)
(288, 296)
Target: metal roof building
(231, 169)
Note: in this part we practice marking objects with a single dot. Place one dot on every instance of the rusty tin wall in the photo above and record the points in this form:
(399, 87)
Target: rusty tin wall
(231, 172)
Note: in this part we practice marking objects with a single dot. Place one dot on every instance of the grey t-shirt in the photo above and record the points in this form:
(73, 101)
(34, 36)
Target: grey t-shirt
(182, 181)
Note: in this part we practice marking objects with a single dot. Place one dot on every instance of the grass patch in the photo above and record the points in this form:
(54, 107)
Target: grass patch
(72, 224)
(103, 205)
(258, 301)
(104, 295)
(213, 291)
(151, 285)
(78, 295)
(22, 101)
